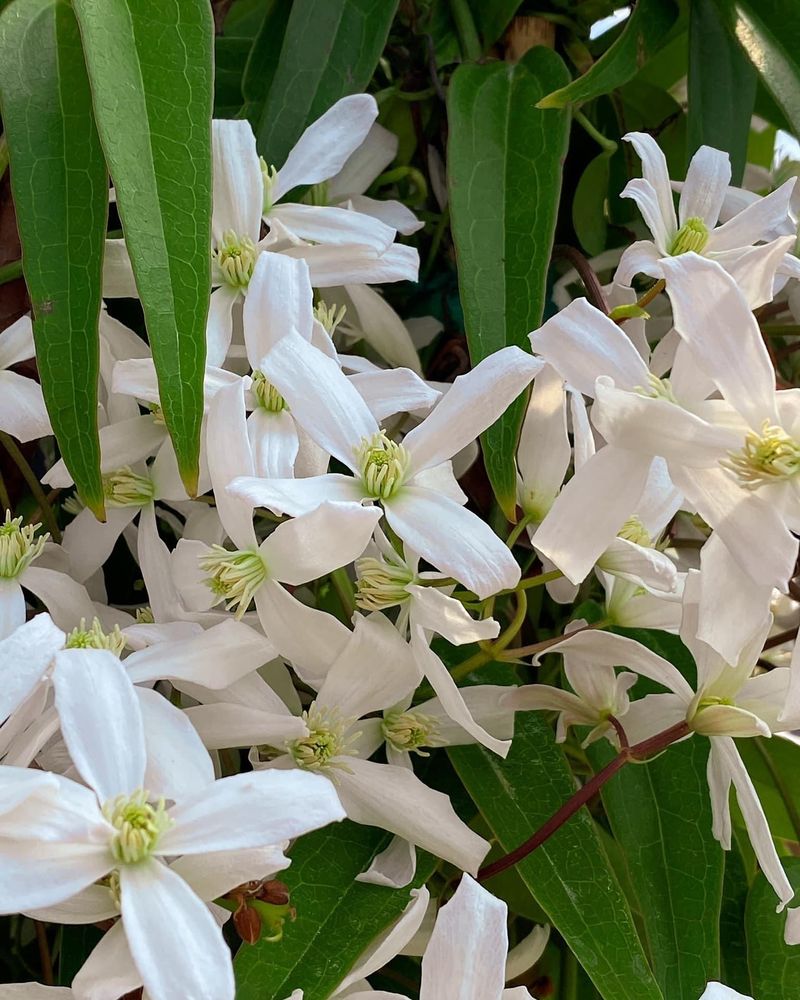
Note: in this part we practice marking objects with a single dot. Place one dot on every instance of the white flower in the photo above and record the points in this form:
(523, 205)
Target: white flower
(716, 991)
(701, 198)
(22, 410)
(412, 480)
(64, 837)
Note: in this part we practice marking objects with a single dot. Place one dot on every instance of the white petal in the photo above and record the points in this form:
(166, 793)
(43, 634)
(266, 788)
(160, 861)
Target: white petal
(176, 944)
(448, 617)
(393, 867)
(716, 991)
(704, 190)
(654, 169)
(392, 213)
(274, 443)
(238, 184)
(25, 657)
(92, 904)
(221, 726)
(333, 265)
(213, 874)
(329, 224)
(764, 219)
(591, 509)
(639, 564)
(177, 762)
(393, 799)
(706, 306)
(136, 377)
(22, 410)
(315, 544)
(270, 806)
(12, 607)
(321, 398)
(118, 280)
(89, 543)
(375, 670)
(756, 269)
(229, 456)
(279, 299)
(453, 539)
(466, 955)
(580, 342)
(647, 200)
(641, 257)
(544, 451)
(109, 971)
(124, 443)
(219, 326)
(100, 720)
(396, 390)
(365, 163)
(297, 496)
(382, 327)
(16, 342)
(474, 402)
(326, 145)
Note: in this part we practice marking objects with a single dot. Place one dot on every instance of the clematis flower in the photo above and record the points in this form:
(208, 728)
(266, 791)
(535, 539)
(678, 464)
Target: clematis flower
(374, 671)
(737, 245)
(64, 837)
(22, 410)
(717, 991)
(411, 480)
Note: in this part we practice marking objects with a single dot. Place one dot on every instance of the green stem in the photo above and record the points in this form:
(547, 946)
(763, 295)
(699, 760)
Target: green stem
(780, 329)
(3, 155)
(517, 530)
(436, 240)
(29, 476)
(10, 272)
(343, 586)
(493, 650)
(607, 145)
(467, 32)
(5, 500)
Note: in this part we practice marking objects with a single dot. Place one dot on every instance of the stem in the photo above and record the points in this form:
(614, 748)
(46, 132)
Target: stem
(781, 329)
(780, 784)
(608, 145)
(29, 476)
(3, 155)
(467, 32)
(5, 500)
(517, 530)
(44, 953)
(639, 753)
(654, 290)
(10, 272)
(493, 650)
(344, 589)
(780, 638)
(538, 647)
(594, 290)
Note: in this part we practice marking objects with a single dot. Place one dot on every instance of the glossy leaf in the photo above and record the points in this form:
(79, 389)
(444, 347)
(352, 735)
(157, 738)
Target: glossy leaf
(60, 190)
(733, 957)
(645, 32)
(505, 163)
(774, 965)
(569, 875)
(152, 93)
(264, 56)
(660, 814)
(330, 50)
(769, 33)
(722, 87)
(589, 205)
(492, 19)
(337, 917)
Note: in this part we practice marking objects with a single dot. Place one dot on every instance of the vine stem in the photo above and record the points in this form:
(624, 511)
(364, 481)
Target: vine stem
(594, 290)
(637, 753)
(540, 647)
(29, 476)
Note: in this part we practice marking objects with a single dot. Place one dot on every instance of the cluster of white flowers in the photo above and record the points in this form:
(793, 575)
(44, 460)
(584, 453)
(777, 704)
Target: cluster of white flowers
(317, 464)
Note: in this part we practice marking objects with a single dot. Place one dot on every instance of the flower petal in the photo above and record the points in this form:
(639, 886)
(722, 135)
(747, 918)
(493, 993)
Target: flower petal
(330, 224)
(655, 171)
(382, 327)
(334, 265)
(297, 496)
(544, 451)
(365, 163)
(109, 971)
(229, 456)
(395, 390)
(177, 762)
(763, 219)
(222, 726)
(706, 183)
(238, 184)
(279, 299)
(22, 410)
(25, 657)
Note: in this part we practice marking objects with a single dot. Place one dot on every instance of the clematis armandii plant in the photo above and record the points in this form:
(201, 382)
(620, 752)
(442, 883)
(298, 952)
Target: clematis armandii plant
(739, 245)
(63, 837)
(412, 480)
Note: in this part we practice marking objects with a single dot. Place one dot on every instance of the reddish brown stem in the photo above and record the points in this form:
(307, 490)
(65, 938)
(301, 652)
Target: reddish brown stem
(594, 290)
(638, 752)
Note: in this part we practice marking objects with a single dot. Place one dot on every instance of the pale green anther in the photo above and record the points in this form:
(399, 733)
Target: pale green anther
(329, 316)
(73, 504)
(138, 826)
(657, 388)
(157, 413)
(768, 457)
(318, 194)
(384, 464)
(234, 576)
(269, 175)
(381, 584)
(329, 739)
(236, 258)
(630, 311)
(95, 638)
(266, 393)
(634, 531)
(19, 546)
(126, 488)
(144, 616)
(408, 732)
(693, 235)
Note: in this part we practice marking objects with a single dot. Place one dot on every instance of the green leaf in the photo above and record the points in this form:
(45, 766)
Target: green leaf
(645, 32)
(769, 33)
(492, 19)
(330, 50)
(262, 62)
(60, 188)
(589, 205)
(505, 164)
(774, 965)
(722, 87)
(734, 971)
(152, 93)
(337, 917)
(569, 875)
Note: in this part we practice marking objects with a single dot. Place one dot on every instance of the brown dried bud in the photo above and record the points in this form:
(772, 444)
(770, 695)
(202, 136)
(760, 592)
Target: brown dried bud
(247, 923)
(275, 892)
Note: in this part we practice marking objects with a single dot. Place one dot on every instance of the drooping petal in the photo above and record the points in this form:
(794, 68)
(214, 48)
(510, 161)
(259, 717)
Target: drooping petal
(238, 184)
(326, 145)
(392, 213)
(109, 971)
(641, 257)
(229, 456)
(221, 726)
(364, 164)
(448, 617)
(704, 190)
(474, 402)
(756, 269)
(329, 224)
(466, 955)
(382, 327)
(175, 942)
(279, 299)
(219, 326)
(332, 265)
(12, 607)
(92, 904)
(100, 720)
(453, 539)
(22, 410)
(25, 657)
(297, 496)
(654, 170)
(647, 200)
(315, 544)
(640, 564)
(89, 543)
(270, 806)
(393, 867)
(274, 443)
(33, 876)
(544, 451)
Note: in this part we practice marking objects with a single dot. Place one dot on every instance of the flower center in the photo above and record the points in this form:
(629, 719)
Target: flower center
(329, 316)
(126, 488)
(764, 458)
(236, 258)
(693, 235)
(384, 465)
(269, 176)
(95, 638)
(657, 388)
(18, 546)
(138, 826)
(266, 393)
(634, 531)
(381, 584)
(234, 576)
(408, 731)
(329, 739)
(145, 616)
